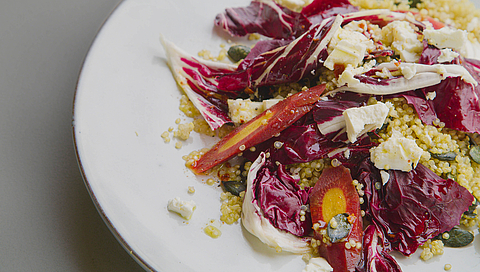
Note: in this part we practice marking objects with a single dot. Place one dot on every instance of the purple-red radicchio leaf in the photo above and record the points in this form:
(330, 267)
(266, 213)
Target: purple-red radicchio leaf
(281, 200)
(319, 10)
(263, 17)
(412, 207)
(285, 64)
(375, 257)
(198, 80)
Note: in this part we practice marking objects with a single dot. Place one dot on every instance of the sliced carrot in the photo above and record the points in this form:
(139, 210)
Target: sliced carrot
(261, 128)
(334, 193)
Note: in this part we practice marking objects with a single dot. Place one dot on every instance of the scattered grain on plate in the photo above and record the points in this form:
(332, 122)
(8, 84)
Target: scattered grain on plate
(178, 145)
(231, 207)
(184, 130)
(166, 136)
(431, 248)
(447, 267)
(213, 229)
(187, 107)
(191, 189)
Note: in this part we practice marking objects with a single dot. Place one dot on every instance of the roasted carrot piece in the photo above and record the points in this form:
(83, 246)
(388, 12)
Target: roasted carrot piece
(333, 194)
(261, 128)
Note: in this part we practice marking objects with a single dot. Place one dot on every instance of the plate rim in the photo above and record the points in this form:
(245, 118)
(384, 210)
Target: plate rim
(86, 182)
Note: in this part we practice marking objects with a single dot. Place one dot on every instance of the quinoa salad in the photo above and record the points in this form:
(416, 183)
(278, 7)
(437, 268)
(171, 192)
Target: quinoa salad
(346, 132)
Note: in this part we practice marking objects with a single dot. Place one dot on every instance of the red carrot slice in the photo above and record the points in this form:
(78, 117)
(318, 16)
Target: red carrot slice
(260, 128)
(333, 194)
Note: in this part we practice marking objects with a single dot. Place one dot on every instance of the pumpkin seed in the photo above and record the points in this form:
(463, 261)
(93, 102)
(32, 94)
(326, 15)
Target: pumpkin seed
(457, 237)
(414, 3)
(238, 52)
(471, 212)
(234, 187)
(340, 229)
(475, 153)
(447, 156)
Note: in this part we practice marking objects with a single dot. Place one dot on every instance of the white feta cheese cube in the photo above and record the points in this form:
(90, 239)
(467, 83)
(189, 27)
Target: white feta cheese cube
(360, 120)
(447, 37)
(270, 102)
(408, 70)
(431, 95)
(396, 153)
(346, 53)
(403, 40)
(447, 55)
(182, 207)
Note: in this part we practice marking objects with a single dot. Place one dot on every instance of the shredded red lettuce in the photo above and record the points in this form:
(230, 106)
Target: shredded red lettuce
(411, 207)
(375, 257)
(303, 141)
(281, 199)
(285, 64)
(456, 104)
(263, 17)
(320, 10)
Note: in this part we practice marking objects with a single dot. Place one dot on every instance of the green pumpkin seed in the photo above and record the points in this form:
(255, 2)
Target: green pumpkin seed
(471, 212)
(339, 227)
(234, 187)
(457, 237)
(414, 3)
(238, 52)
(447, 156)
(475, 153)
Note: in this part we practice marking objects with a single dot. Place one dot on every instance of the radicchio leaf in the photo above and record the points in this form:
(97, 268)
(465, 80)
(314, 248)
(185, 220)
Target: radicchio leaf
(303, 141)
(198, 80)
(264, 17)
(253, 218)
(456, 104)
(285, 64)
(375, 253)
(412, 207)
(320, 10)
(281, 200)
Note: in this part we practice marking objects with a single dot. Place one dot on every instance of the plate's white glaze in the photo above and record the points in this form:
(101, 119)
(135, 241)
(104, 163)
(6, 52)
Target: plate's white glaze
(126, 98)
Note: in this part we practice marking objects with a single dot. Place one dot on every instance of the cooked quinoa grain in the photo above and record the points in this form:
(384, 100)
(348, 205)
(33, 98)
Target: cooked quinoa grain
(231, 207)
(435, 139)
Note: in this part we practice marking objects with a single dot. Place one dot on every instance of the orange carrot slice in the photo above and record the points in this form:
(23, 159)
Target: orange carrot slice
(261, 128)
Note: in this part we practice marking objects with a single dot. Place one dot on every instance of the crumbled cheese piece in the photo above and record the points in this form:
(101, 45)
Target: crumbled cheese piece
(385, 73)
(431, 95)
(447, 38)
(346, 53)
(242, 111)
(182, 207)
(348, 75)
(347, 47)
(318, 264)
(408, 71)
(397, 153)
(403, 39)
(447, 55)
(268, 103)
(385, 176)
(360, 120)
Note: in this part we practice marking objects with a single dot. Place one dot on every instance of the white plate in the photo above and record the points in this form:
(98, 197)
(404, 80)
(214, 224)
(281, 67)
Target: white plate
(126, 98)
